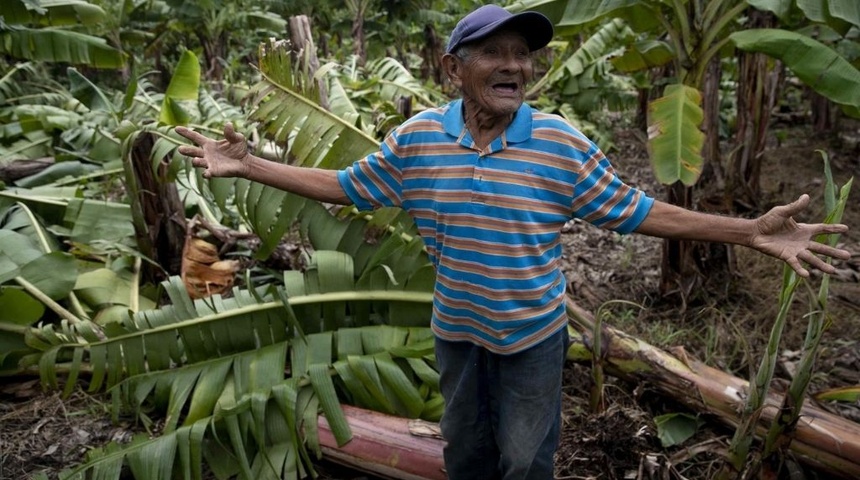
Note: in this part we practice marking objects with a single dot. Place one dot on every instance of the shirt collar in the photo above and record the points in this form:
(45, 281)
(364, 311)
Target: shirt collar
(519, 130)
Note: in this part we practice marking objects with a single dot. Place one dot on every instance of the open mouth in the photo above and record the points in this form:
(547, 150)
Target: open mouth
(506, 88)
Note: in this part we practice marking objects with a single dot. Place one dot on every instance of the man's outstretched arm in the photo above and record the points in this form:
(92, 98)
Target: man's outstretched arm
(230, 157)
(775, 233)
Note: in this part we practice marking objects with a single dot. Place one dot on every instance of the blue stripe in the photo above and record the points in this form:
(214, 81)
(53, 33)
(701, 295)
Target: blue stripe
(515, 206)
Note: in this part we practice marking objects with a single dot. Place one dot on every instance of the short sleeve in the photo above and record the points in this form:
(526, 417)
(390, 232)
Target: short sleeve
(603, 199)
(375, 181)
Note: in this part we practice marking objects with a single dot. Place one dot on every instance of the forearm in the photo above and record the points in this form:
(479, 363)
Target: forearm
(315, 183)
(669, 221)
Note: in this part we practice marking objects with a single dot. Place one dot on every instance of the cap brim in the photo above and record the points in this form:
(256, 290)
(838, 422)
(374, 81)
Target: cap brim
(533, 26)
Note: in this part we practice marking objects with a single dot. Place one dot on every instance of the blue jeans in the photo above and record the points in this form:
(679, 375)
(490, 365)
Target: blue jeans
(502, 412)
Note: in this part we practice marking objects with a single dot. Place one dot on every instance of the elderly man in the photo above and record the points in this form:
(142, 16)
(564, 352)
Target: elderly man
(490, 182)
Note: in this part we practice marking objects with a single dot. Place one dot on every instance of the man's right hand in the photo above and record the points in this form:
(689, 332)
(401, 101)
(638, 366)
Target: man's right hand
(219, 158)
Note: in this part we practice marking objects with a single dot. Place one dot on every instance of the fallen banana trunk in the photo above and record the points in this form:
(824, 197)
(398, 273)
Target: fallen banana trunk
(400, 448)
(823, 440)
(387, 446)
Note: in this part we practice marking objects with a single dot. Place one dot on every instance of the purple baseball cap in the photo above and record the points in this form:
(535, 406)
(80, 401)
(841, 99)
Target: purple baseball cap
(533, 26)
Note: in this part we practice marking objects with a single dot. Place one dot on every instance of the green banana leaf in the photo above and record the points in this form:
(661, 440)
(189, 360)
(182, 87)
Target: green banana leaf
(570, 17)
(674, 137)
(88, 93)
(315, 136)
(838, 14)
(217, 369)
(182, 91)
(53, 45)
(643, 55)
(396, 81)
(52, 273)
(53, 12)
(817, 65)
(595, 49)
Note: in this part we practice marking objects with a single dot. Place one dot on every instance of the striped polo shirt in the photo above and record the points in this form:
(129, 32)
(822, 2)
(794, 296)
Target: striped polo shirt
(491, 219)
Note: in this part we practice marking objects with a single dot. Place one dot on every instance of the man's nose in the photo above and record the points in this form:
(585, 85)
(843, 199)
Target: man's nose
(510, 62)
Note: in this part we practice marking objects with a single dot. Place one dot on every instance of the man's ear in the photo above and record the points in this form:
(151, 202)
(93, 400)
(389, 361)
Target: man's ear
(452, 67)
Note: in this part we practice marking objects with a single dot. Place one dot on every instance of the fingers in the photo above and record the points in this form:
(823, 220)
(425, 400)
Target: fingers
(827, 228)
(794, 263)
(232, 135)
(192, 135)
(816, 262)
(829, 251)
(200, 163)
(190, 151)
(794, 207)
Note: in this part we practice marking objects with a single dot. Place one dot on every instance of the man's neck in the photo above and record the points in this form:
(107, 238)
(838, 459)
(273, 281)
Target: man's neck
(484, 127)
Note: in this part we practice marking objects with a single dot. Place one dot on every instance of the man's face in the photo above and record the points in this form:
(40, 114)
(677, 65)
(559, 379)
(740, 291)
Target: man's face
(495, 73)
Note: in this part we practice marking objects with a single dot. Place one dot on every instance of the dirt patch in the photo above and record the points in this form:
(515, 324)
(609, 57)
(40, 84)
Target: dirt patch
(42, 432)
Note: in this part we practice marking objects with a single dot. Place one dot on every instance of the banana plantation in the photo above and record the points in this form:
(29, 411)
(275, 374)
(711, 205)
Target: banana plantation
(156, 324)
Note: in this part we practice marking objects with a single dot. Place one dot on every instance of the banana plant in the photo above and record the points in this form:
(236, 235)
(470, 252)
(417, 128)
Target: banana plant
(223, 361)
(779, 434)
(582, 79)
(696, 32)
(369, 96)
(212, 26)
(291, 123)
(45, 31)
(42, 283)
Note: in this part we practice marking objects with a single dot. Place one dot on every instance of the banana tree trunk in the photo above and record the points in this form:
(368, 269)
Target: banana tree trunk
(387, 446)
(758, 91)
(24, 168)
(825, 441)
(305, 53)
(157, 211)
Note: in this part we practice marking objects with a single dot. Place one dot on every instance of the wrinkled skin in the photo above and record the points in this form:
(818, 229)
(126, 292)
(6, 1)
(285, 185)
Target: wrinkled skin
(492, 80)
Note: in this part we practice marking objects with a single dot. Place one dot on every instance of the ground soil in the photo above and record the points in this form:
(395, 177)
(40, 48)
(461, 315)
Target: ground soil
(40, 432)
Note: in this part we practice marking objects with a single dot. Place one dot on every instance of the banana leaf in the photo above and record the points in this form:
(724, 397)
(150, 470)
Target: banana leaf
(182, 91)
(54, 12)
(52, 45)
(674, 137)
(817, 65)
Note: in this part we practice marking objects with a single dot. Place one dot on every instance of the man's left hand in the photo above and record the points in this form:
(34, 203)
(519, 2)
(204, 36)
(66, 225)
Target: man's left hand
(778, 235)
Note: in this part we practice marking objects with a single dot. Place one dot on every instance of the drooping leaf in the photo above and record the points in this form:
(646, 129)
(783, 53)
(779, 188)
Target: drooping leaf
(56, 172)
(644, 54)
(396, 81)
(780, 8)
(674, 137)
(182, 90)
(595, 49)
(52, 45)
(104, 287)
(316, 137)
(91, 220)
(847, 10)
(835, 13)
(87, 92)
(54, 12)
(569, 17)
(817, 65)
